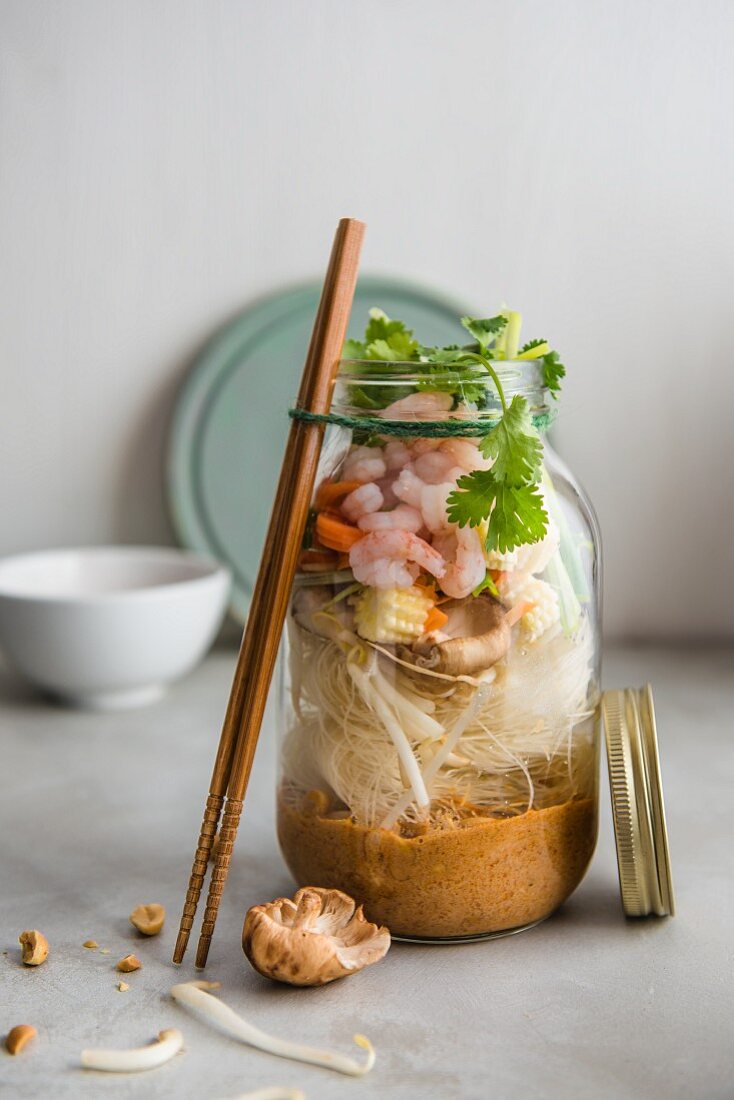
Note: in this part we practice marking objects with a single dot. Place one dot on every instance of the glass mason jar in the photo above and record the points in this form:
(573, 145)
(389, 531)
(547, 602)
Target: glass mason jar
(439, 755)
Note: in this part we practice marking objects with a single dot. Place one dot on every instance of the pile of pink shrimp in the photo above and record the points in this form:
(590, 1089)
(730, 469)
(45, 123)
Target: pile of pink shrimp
(401, 505)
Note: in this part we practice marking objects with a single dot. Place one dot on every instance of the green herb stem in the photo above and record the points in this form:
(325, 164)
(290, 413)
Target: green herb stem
(476, 358)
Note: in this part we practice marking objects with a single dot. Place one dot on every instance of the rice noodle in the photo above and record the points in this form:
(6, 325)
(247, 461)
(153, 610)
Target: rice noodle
(523, 741)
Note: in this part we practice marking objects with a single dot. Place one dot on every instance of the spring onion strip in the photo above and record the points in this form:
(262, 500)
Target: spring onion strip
(570, 608)
(348, 591)
(193, 996)
(569, 549)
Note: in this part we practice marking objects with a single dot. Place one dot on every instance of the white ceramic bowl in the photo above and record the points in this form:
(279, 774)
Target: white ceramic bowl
(109, 627)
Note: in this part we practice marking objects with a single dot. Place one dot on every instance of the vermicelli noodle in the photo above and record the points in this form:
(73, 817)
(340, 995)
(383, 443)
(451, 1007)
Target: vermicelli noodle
(528, 742)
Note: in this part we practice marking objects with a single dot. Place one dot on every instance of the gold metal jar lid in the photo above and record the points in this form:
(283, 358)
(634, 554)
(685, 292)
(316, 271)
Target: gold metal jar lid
(637, 802)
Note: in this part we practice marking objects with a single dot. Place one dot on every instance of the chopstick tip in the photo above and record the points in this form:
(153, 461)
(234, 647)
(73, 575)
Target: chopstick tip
(180, 949)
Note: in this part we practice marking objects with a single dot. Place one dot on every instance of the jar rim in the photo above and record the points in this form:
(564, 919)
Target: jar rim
(527, 372)
(517, 376)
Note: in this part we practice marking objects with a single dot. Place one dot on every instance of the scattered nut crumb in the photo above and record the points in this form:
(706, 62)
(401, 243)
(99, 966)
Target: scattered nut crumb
(19, 1037)
(104, 950)
(123, 986)
(128, 964)
(35, 947)
(148, 919)
(90, 944)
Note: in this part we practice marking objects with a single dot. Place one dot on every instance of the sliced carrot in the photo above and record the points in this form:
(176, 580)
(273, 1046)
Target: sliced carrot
(435, 619)
(516, 613)
(336, 534)
(329, 492)
(427, 586)
(495, 574)
(318, 561)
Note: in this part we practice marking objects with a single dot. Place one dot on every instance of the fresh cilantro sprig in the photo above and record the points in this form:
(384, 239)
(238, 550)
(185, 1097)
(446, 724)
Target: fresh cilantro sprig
(384, 340)
(506, 498)
(553, 368)
(553, 372)
(506, 495)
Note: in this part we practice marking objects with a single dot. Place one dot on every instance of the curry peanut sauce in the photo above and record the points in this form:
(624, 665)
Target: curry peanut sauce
(484, 875)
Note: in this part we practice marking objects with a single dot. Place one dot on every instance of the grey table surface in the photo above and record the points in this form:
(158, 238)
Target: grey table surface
(100, 812)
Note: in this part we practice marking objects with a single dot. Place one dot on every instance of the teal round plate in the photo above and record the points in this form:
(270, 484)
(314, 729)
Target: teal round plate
(230, 421)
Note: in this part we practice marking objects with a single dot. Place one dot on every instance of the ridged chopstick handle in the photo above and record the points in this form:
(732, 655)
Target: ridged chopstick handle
(225, 844)
(208, 832)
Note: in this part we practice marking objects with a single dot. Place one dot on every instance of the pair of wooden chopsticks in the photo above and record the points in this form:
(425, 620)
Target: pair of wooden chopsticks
(261, 636)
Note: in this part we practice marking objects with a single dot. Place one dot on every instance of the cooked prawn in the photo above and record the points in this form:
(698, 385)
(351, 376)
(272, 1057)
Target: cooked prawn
(423, 446)
(368, 498)
(402, 518)
(376, 559)
(388, 573)
(468, 569)
(408, 488)
(396, 455)
(365, 469)
(419, 406)
(386, 488)
(363, 464)
(433, 468)
(466, 454)
(433, 506)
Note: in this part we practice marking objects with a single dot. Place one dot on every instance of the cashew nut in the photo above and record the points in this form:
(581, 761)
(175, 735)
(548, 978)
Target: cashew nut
(34, 947)
(128, 964)
(148, 919)
(19, 1037)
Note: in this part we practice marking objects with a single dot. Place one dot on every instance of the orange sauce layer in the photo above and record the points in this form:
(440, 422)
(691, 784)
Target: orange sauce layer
(485, 875)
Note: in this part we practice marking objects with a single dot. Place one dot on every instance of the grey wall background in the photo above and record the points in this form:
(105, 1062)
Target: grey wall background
(163, 161)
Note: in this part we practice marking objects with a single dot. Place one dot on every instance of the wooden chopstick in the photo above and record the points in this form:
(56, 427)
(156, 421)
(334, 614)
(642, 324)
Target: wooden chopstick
(261, 637)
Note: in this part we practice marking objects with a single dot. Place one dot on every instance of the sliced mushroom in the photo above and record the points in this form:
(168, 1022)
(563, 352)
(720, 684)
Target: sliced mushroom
(476, 636)
(319, 936)
(315, 609)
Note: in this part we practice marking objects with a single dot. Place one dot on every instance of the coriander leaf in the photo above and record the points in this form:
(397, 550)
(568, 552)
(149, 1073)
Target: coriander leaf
(507, 494)
(516, 513)
(354, 349)
(484, 330)
(472, 499)
(380, 327)
(388, 340)
(450, 354)
(464, 380)
(397, 347)
(363, 400)
(514, 445)
(518, 517)
(553, 372)
(384, 339)
(531, 344)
